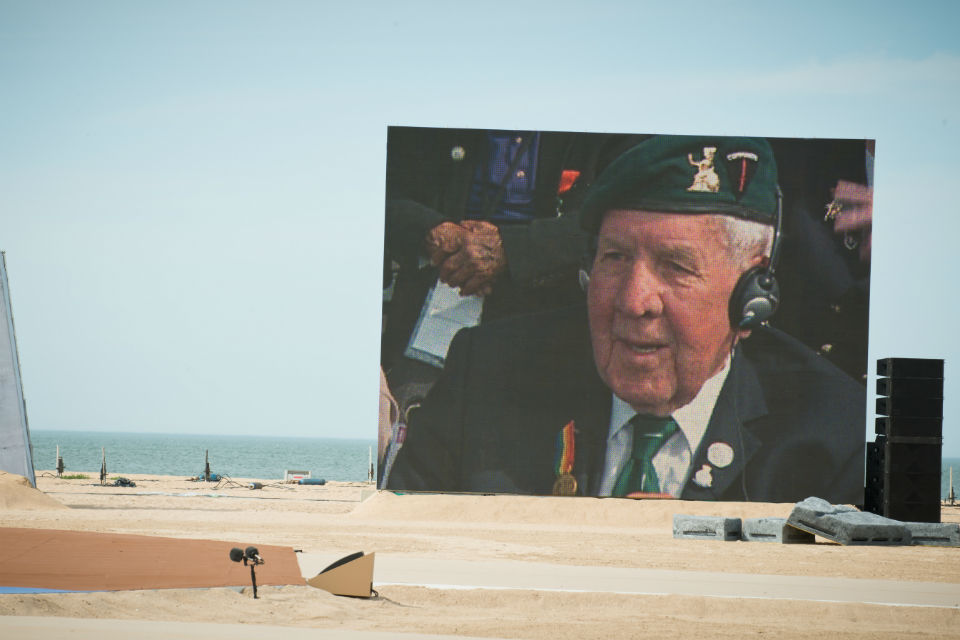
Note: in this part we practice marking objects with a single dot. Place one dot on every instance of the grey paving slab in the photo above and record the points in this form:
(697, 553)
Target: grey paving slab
(934, 534)
(847, 525)
(706, 527)
(774, 530)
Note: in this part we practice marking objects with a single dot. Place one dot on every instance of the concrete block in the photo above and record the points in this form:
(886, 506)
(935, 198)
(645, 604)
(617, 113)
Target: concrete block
(934, 534)
(774, 530)
(847, 525)
(706, 527)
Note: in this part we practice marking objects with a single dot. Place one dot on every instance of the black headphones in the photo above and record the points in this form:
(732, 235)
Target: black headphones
(756, 295)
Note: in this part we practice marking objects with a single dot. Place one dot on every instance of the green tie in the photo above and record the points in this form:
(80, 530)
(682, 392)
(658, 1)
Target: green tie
(649, 434)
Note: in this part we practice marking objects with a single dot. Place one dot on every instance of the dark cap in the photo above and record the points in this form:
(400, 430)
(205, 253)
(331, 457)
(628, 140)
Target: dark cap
(688, 174)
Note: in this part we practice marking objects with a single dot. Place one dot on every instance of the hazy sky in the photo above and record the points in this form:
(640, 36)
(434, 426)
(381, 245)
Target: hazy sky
(191, 193)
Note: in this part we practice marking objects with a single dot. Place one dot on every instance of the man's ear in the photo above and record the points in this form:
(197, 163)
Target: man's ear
(758, 261)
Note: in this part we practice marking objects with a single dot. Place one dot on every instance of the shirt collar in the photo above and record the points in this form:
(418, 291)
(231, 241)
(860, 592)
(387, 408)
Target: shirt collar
(692, 418)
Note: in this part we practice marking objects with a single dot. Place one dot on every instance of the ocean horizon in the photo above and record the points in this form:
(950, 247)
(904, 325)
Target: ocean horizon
(267, 457)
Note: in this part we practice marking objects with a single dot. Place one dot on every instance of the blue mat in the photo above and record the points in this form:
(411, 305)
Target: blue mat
(36, 590)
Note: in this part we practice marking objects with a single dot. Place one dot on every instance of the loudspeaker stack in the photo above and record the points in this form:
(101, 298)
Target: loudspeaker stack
(903, 464)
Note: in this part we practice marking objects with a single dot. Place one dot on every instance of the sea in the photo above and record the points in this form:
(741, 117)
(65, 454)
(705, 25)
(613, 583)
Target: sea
(264, 457)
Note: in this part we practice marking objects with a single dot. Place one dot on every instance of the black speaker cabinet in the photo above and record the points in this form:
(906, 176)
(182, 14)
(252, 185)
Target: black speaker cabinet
(910, 367)
(910, 406)
(909, 427)
(911, 479)
(910, 387)
(912, 511)
(909, 441)
(873, 491)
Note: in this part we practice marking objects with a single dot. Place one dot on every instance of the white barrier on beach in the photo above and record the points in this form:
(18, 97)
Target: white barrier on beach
(14, 434)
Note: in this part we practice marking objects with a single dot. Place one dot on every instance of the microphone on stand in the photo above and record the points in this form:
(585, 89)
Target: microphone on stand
(249, 556)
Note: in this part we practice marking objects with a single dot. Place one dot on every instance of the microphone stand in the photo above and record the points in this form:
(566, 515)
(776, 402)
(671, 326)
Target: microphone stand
(253, 576)
(251, 557)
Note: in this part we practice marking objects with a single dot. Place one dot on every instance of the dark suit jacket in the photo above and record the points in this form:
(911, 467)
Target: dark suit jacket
(490, 425)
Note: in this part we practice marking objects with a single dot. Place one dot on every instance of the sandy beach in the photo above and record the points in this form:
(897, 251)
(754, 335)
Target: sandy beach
(557, 544)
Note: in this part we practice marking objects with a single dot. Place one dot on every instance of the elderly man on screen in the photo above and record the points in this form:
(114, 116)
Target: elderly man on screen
(668, 383)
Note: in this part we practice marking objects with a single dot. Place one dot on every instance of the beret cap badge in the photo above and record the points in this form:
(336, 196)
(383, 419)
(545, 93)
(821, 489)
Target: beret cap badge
(706, 179)
(740, 168)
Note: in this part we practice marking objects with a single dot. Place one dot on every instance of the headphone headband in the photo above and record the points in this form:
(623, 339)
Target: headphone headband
(756, 295)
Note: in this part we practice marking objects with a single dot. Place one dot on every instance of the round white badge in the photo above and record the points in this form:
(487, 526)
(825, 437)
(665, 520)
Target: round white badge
(720, 454)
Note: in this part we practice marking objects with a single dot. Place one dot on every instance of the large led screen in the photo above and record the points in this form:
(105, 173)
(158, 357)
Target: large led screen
(626, 315)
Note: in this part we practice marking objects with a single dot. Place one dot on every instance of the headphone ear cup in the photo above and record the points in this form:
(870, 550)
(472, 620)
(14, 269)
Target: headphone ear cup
(754, 299)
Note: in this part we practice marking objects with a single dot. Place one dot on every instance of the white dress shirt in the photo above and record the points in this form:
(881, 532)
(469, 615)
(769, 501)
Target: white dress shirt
(672, 461)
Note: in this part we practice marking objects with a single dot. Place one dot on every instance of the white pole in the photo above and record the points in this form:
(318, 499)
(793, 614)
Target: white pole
(952, 497)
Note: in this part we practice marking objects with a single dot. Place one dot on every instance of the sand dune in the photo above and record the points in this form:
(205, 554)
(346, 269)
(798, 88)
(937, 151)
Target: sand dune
(16, 493)
(333, 520)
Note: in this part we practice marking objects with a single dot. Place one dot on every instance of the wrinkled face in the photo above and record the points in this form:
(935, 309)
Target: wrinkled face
(658, 296)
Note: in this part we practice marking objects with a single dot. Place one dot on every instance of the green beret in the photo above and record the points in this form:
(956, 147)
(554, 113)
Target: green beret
(688, 174)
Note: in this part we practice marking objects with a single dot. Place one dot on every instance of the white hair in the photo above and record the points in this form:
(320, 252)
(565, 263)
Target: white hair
(745, 239)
